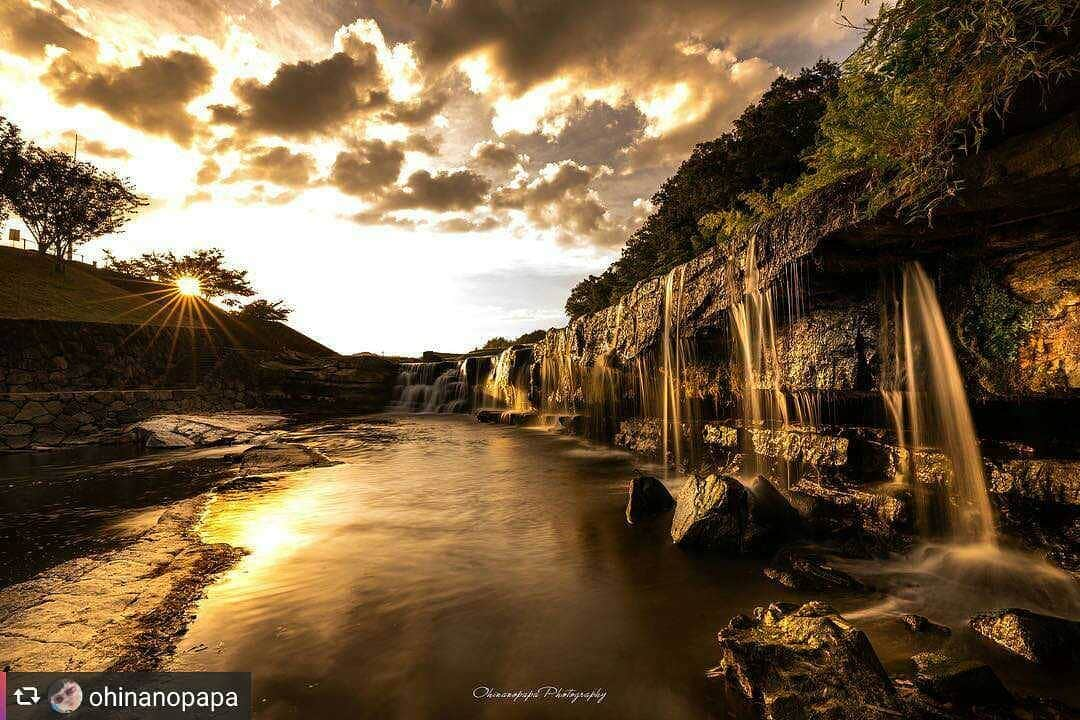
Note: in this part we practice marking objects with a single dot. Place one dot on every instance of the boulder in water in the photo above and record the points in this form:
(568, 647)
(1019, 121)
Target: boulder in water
(805, 662)
(961, 682)
(806, 571)
(280, 457)
(1038, 638)
(488, 416)
(921, 625)
(648, 497)
(714, 512)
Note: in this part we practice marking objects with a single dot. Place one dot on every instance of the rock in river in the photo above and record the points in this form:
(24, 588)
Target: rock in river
(805, 571)
(720, 512)
(1038, 638)
(806, 662)
(963, 682)
(713, 512)
(648, 497)
(280, 457)
(921, 625)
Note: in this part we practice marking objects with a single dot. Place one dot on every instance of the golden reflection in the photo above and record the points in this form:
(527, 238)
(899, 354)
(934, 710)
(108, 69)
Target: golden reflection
(270, 525)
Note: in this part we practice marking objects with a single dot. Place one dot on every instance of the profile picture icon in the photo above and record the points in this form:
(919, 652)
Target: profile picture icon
(65, 696)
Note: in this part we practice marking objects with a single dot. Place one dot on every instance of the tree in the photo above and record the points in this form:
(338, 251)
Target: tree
(216, 280)
(12, 163)
(265, 311)
(65, 203)
(763, 151)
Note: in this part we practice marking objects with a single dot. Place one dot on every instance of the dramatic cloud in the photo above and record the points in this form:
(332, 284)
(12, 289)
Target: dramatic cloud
(467, 225)
(558, 197)
(441, 192)
(70, 142)
(367, 168)
(151, 96)
(26, 30)
(493, 154)
(309, 98)
(209, 172)
(277, 165)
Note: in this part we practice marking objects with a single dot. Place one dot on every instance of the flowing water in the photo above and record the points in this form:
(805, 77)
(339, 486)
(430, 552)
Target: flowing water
(924, 393)
(443, 555)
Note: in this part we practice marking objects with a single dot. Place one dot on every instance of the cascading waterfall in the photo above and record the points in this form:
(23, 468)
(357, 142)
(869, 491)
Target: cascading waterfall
(507, 385)
(762, 401)
(437, 387)
(926, 398)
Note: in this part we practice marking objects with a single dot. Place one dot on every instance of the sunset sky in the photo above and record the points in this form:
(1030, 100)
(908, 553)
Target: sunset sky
(408, 175)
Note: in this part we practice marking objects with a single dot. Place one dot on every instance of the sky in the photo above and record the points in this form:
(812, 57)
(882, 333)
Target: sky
(406, 174)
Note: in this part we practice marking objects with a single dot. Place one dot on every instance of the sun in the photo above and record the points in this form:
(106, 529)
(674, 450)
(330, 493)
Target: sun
(188, 286)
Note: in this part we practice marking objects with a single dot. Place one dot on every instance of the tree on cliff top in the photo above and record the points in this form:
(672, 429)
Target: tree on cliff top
(763, 151)
(216, 279)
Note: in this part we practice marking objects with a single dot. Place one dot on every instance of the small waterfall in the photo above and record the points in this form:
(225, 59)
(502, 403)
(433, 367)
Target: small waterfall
(507, 385)
(441, 387)
(679, 412)
(925, 395)
(762, 401)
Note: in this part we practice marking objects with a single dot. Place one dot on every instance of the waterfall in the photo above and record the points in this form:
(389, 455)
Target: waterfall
(432, 387)
(925, 395)
(676, 408)
(507, 385)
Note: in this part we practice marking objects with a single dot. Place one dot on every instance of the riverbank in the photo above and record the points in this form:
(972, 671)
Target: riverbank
(125, 597)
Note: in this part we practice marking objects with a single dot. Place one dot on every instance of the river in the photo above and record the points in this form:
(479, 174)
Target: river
(443, 559)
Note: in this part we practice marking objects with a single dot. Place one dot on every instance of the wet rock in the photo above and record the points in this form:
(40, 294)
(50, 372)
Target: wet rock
(648, 497)
(280, 457)
(714, 512)
(507, 417)
(805, 571)
(179, 431)
(963, 682)
(640, 435)
(1047, 481)
(801, 446)
(770, 509)
(877, 514)
(805, 662)
(723, 436)
(921, 625)
(1042, 639)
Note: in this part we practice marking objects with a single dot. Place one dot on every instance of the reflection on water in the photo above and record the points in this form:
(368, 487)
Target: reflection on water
(58, 505)
(463, 555)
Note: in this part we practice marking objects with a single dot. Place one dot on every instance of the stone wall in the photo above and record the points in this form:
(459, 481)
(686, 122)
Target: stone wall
(50, 419)
(44, 355)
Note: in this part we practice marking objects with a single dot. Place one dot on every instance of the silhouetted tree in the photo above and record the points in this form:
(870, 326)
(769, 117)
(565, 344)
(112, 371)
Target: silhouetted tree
(12, 159)
(65, 203)
(265, 311)
(216, 280)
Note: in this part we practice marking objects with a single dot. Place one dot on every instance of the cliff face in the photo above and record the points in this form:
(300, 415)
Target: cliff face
(1005, 255)
(785, 355)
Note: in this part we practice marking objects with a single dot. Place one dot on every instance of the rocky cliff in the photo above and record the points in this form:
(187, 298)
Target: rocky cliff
(780, 351)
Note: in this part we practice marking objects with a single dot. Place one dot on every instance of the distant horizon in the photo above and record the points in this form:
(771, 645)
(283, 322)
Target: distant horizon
(439, 182)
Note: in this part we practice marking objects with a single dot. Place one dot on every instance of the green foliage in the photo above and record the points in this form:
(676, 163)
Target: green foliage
(216, 280)
(763, 151)
(994, 320)
(928, 84)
